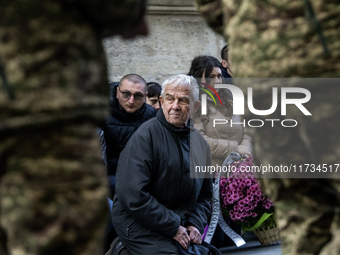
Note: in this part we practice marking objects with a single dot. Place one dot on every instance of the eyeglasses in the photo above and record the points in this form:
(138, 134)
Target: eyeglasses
(137, 96)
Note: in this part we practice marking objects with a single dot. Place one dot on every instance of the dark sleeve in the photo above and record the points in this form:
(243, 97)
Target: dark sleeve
(133, 178)
(202, 210)
(201, 213)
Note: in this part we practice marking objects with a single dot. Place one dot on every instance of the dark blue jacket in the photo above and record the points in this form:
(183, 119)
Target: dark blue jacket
(119, 127)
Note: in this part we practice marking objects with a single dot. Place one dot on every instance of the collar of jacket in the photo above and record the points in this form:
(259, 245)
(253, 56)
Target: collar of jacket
(225, 73)
(120, 113)
(181, 131)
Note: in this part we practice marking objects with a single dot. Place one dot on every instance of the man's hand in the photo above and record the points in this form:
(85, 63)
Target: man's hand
(195, 235)
(182, 237)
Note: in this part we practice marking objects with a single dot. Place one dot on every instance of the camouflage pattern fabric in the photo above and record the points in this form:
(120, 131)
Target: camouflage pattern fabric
(53, 94)
(281, 38)
(278, 38)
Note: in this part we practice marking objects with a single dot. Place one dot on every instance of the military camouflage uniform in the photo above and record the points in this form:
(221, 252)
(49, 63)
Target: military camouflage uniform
(282, 38)
(53, 94)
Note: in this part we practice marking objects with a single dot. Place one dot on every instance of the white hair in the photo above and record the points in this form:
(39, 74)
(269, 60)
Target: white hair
(184, 81)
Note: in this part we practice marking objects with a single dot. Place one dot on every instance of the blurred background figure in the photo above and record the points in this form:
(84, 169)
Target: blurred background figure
(154, 91)
(54, 94)
(292, 39)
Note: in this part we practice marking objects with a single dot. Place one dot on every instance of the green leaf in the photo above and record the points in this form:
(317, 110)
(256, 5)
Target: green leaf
(264, 217)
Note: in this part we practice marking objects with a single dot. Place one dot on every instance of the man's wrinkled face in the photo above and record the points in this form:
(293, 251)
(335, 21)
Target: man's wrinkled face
(176, 105)
(131, 96)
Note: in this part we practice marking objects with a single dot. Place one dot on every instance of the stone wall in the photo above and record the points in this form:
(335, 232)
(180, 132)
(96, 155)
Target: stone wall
(177, 34)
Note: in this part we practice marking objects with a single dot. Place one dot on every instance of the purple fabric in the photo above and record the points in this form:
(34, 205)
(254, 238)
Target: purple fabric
(205, 231)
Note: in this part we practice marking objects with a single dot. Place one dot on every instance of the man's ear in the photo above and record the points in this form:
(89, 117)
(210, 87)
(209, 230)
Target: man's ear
(117, 91)
(197, 105)
(224, 63)
(161, 100)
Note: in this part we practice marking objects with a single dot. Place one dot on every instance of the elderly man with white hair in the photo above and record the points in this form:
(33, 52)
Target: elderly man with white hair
(159, 207)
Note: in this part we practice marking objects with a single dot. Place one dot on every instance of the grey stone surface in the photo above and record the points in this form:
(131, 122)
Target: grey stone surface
(177, 34)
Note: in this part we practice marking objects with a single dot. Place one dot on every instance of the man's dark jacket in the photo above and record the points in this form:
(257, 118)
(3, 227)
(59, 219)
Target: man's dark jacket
(119, 127)
(154, 186)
